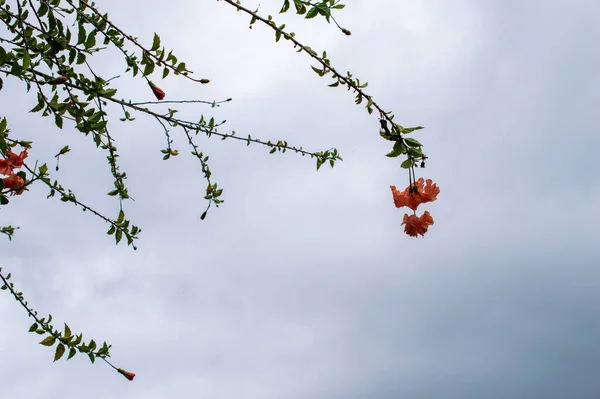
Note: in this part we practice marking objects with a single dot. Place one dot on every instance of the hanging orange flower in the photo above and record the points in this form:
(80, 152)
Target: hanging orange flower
(14, 161)
(128, 374)
(424, 193)
(158, 92)
(420, 192)
(415, 225)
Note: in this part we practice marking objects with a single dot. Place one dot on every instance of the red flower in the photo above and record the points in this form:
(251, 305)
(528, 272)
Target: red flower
(415, 225)
(13, 162)
(128, 374)
(157, 91)
(14, 182)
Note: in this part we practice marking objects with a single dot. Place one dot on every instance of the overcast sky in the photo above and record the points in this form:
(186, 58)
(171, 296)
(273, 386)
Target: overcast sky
(303, 283)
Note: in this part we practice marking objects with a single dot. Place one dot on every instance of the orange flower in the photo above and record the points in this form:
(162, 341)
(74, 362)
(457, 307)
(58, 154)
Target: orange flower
(128, 374)
(157, 91)
(424, 193)
(415, 225)
(14, 182)
(13, 162)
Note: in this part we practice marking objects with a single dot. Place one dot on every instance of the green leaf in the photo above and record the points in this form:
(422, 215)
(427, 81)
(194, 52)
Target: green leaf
(67, 331)
(412, 142)
(58, 120)
(318, 71)
(48, 341)
(320, 162)
(397, 150)
(91, 40)
(3, 56)
(81, 34)
(415, 152)
(60, 351)
(313, 12)
(407, 130)
(118, 236)
(286, 6)
(26, 60)
(121, 217)
(155, 42)
(38, 107)
(72, 353)
(300, 7)
(16, 69)
(406, 164)
(33, 327)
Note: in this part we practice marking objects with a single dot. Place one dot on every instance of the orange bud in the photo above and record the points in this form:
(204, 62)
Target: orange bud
(128, 374)
(157, 91)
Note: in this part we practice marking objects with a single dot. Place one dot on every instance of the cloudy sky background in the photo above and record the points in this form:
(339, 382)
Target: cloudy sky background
(303, 284)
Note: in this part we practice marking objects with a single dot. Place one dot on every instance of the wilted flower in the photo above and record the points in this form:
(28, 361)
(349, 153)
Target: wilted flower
(157, 91)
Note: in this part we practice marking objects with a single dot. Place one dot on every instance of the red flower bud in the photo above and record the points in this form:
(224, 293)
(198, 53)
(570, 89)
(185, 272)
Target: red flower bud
(128, 374)
(157, 91)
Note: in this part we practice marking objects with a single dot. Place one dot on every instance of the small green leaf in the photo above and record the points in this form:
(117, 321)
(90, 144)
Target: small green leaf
(60, 351)
(286, 6)
(407, 130)
(48, 341)
(300, 7)
(397, 150)
(318, 71)
(26, 60)
(415, 152)
(118, 236)
(67, 331)
(313, 12)
(58, 120)
(3, 56)
(406, 164)
(412, 142)
(72, 353)
(155, 42)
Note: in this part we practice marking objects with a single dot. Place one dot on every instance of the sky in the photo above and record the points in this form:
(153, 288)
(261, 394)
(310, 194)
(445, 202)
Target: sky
(302, 284)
